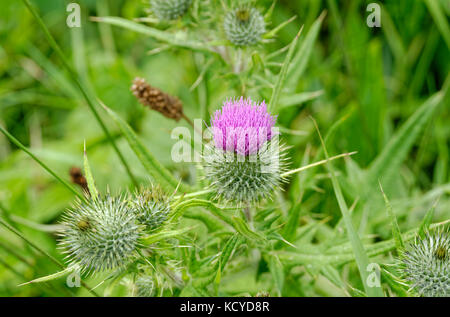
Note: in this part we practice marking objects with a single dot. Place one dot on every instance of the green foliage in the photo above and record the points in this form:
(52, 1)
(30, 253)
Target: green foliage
(379, 96)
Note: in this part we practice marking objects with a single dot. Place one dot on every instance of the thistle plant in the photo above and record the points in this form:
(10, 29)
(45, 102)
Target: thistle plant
(238, 213)
(100, 234)
(151, 207)
(425, 265)
(244, 26)
(243, 164)
(169, 9)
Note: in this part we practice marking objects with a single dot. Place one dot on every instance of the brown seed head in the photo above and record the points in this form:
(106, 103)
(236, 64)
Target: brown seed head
(169, 106)
(77, 178)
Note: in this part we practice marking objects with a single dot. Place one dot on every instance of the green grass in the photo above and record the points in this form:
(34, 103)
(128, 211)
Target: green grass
(382, 93)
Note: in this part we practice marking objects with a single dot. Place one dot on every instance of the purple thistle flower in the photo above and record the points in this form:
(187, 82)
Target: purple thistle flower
(242, 126)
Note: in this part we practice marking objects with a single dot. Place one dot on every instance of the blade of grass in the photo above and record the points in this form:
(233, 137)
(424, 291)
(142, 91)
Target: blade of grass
(395, 228)
(45, 253)
(150, 163)
(86, 94)
(50, 277)
(301, 58)
(440, 19)
(48, 169)
(394, 153)
(283, 72)
(300, 169)
(362, 260)
(89, 178)
(162, 36)
(427, 219)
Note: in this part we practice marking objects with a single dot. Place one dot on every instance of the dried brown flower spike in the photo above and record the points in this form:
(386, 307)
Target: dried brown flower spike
(77, 178)
(169, 106)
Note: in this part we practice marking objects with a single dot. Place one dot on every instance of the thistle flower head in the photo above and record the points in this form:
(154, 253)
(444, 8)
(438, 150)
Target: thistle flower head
(242, 126)
(426, 265)
(244, 164)
(100, 235)
(169, 9)
(151, 207)
(244, 26)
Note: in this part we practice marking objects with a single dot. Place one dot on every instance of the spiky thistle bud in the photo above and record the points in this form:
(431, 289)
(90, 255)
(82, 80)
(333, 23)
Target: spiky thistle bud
(244, 26)
(169, 9)
(151, 207)
(426, 265)
(144, 286)
(100, 235)
(244, 163)
(169, 106)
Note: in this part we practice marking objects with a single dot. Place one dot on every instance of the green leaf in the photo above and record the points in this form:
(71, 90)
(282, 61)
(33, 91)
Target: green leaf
(162, 235)
(273, 103)
(179, 39)
(89, 178)
(42, 164)
(362, 260)
(51, 276)
(242, 227)
(301, 58)
(427, 220)
(440, 19)
(228, 250)
(395, 229)
(298, 99)
(150, 163)
(277, 271)
(90, 100)
(395, 152)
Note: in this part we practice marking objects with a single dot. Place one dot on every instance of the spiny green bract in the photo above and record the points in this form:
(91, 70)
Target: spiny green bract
(244, 179)
(169, 9)
(151, 207)
(101, 234)
(144, 286)
(426, 265)
(244, 26)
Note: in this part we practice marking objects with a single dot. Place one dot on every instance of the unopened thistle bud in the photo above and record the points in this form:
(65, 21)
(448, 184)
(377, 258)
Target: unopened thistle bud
(244, 163)
(151, 207)
(144, 286)
(244, 26)
(169, 106)
(426, 265)
(169, 9)
(100, 235)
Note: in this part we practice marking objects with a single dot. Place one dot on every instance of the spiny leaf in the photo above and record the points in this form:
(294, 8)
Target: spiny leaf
(395, 229)
(241, 226)
(51, 276)
(89, 178)
(277, 271)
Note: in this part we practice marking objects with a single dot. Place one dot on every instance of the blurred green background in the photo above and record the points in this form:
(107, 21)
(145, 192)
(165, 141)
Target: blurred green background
(374, 78)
